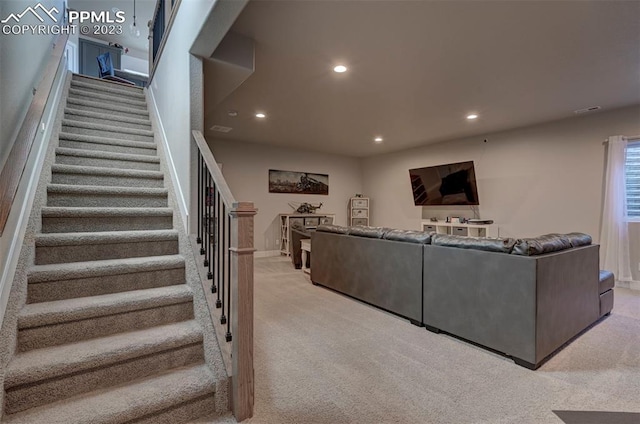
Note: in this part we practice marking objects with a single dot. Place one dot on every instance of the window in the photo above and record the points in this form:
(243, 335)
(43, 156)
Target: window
(632, 173)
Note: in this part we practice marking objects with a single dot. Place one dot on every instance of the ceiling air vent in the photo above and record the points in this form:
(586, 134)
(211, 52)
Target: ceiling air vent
(587, 109)
(221, 129)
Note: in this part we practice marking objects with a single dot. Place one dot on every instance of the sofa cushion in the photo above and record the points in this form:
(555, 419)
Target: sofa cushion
(579, 239)
(478, 243)
(327, 228)
(371, 232)
(543, 244)
(410, 236)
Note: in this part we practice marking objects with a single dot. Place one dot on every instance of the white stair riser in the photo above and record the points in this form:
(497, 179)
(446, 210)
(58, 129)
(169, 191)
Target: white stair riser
(105, 180)
(104, 284)
(107, 121)
(106, 163)
(96, 252)
(108, 134)
(74, 331)
(97, 224)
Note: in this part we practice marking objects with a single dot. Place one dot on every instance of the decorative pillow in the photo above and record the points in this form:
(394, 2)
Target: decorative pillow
(579, 239)
(543, 244)
(410, 236)
(327, 228)
(371, 232)
(498, 245)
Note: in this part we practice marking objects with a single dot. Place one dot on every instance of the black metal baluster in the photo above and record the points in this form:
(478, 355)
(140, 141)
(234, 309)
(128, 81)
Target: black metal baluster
(210, 209)
(223, 317)
(202, 205)
(214, 214)
(220, 262)
(207, 233)
(228, 335)
(199, 239)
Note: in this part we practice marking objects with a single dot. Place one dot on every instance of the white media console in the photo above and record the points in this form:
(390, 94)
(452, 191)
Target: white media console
(469, 230)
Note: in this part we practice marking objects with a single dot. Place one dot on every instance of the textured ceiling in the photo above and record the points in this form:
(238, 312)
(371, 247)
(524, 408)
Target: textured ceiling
(417, 68)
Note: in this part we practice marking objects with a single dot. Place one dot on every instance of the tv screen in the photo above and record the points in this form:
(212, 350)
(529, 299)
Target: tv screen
(450, 184)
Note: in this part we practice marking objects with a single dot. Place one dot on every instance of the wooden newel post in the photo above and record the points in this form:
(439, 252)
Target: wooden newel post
(242, 382)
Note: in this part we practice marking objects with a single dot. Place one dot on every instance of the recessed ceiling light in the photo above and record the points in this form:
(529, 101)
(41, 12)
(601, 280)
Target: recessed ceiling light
(378, 140)
(472, 116)
(260, 115)
(340, 69)
(232, 113)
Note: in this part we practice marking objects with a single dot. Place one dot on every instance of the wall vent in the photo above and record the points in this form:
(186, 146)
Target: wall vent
(587, 109)
(220, 128)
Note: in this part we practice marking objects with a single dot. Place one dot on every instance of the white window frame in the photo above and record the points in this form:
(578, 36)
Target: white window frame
(633, 145)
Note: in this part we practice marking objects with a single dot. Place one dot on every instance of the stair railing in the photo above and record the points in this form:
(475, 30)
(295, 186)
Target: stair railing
(225, 235)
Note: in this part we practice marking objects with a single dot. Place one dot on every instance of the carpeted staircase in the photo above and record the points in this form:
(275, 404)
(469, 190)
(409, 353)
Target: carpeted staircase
(108, 333)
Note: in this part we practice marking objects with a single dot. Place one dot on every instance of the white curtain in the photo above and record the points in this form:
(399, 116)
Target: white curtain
(614, 235)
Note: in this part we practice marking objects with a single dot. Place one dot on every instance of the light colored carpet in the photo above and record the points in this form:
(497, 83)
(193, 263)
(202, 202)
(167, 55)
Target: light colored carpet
(321, 357)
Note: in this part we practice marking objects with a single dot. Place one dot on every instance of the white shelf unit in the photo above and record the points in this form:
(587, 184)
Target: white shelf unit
(470, 230)
(307, 220)
(358, 212)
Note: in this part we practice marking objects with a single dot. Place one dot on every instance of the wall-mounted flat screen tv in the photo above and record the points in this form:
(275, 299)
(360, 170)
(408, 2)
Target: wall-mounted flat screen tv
(449, 184)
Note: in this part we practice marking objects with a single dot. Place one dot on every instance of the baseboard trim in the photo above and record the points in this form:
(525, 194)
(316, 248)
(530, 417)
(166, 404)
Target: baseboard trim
(266, 253)
(633, 285)
(155, 116)
(18, 219)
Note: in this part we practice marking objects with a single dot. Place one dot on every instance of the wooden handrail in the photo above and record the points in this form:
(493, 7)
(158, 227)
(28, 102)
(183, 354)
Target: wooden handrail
(216, 173)
(16, 161)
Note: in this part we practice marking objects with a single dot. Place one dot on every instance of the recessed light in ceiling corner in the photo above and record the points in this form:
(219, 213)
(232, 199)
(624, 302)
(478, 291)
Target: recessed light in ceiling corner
(587, 109)
(260, 115)
(220, 128)
(378, 140)
(339, 69)
(472, 116)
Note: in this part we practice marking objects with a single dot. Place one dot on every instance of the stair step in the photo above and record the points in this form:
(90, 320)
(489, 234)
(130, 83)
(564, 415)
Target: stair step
(81, 279)
(108, 89)
(174, 397)
(107, 131)
(102, 83)
(68, 195)
(77, 220)
(97, 176)
(80, 247)
(111, 119)
(60, 322)
(106, 99)
(106, 144)
(68, 156)
(46, 375)
(111, 108)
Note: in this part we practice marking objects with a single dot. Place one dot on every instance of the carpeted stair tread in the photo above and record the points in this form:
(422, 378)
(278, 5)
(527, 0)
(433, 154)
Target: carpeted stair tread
(106, 155)
(107, 118)
(74, 270)
(107, 97)
(106, 140)
(97, 170)
(106, 127)
(84, 212)
(83, 308)
(127, 403)
(108, 89)
(51, 362)
(99, 82)
(111, 237)
(130, 191)
(107, 107)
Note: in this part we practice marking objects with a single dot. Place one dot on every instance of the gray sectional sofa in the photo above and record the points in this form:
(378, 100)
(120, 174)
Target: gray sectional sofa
(523, 298)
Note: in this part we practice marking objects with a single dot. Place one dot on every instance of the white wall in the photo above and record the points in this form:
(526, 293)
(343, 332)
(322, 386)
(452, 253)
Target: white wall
(169, 89)
(131, 63)
(531, 181)
(246, 169)
(22, 61)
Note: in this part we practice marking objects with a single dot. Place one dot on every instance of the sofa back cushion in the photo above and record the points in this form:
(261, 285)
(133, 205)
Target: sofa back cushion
(478, 243)
(410, 236)
(543, 244)
(371, 232)
(337, 229)
(579, 239)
